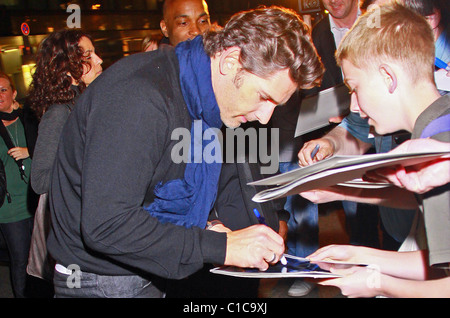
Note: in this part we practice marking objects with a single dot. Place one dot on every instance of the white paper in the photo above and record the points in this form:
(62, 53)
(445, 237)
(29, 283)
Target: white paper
(360, 183)
(442, 80)
(315, 111)
(336, 170)
(295, 267)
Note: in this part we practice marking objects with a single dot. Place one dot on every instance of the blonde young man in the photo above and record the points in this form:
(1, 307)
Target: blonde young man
(389, 71)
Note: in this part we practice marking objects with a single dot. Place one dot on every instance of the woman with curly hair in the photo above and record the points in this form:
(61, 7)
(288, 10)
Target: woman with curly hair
(66, 65)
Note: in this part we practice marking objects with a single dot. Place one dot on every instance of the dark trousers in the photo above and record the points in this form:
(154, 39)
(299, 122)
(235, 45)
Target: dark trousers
(17, 237)
(88, 285)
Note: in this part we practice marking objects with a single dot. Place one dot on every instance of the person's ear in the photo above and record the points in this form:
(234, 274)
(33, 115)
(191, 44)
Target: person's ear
(163, 26)
(389, 77)
(14, 95)
(229, 61)
(74, 82)
(434, 19)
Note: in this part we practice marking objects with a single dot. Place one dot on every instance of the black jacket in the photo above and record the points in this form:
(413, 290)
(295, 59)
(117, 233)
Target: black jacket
(326, 48)
(323, 40)
(115, 147)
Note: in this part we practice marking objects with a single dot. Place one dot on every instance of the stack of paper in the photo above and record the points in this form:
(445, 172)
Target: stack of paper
(295, 267)
(342, 170)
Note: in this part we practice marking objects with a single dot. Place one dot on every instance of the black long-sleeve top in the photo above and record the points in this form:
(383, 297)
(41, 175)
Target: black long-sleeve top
(50, 127)
(115, 147)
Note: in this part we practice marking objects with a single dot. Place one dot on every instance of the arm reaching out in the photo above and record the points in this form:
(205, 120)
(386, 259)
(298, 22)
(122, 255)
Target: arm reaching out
(391, 274)
(391, 197)
(420, 178)
(337, 142)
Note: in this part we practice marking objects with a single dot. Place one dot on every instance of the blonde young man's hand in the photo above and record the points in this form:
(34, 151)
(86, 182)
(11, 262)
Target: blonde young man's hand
(339, 141)
(326, 150)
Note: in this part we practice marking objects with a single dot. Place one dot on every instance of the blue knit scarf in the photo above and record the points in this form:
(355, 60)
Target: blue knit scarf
(188, 201)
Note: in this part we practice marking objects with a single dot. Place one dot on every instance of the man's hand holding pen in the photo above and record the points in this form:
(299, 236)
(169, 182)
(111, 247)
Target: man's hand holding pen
(256, 246)
(315, 150)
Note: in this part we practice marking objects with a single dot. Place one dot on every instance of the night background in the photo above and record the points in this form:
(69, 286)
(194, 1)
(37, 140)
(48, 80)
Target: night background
(116, 26)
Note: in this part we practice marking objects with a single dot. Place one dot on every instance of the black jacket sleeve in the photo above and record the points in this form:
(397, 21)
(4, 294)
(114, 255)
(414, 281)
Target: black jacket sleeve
(115, 148)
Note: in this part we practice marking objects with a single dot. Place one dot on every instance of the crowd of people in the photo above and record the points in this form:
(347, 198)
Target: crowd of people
(92, 189)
